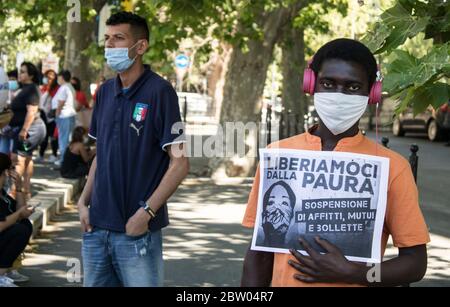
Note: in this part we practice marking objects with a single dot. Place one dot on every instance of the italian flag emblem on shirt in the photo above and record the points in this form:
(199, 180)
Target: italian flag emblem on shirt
(140, 112)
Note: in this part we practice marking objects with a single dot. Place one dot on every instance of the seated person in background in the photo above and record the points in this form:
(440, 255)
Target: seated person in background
(15, 228)
(77, 159)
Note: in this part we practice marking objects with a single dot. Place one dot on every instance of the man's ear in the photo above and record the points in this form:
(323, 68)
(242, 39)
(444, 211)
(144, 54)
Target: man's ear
(142, 47)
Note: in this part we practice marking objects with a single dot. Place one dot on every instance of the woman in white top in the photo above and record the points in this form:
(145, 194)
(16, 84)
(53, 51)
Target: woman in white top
(64, 105)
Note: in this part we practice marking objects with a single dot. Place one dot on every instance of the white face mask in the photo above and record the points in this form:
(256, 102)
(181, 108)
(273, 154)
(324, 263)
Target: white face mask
(339, 112)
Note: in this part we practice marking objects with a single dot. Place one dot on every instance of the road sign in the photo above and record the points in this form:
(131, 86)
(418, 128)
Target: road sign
(182, 61)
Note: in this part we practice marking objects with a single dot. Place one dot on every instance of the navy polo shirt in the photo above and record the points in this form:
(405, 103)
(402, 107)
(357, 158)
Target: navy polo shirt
(132, 129)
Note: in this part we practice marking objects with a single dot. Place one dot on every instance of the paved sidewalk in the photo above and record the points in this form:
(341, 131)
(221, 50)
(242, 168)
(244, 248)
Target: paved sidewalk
(204, 245)
(47, 262)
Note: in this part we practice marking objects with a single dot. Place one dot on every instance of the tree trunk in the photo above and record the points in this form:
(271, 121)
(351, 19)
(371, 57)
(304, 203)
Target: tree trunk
(216, 74)
(293, 65)
(79, 37)
(243, 90)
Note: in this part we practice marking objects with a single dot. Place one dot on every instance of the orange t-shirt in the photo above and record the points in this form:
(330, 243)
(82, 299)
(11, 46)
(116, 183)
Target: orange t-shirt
(403, 221)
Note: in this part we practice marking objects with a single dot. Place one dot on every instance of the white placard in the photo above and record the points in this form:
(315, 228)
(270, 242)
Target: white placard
(338, 196)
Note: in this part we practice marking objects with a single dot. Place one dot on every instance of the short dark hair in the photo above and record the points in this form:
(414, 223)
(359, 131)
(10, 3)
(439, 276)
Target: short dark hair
(13, 74)
(348, 50)
(66, 75)
(139, 26)
(77, 84)
(32, 71)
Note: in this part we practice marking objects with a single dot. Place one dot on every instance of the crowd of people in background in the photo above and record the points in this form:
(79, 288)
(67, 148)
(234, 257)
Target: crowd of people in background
(49, 108)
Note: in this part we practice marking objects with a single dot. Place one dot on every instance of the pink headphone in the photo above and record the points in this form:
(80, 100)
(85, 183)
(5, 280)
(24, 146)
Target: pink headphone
(309, 84)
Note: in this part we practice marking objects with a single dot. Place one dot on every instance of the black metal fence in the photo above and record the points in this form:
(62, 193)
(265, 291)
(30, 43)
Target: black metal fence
(282, 124)
(196, 108)
(413, 157)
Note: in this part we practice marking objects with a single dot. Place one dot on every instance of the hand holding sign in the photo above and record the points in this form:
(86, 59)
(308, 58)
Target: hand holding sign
(329, 267)
(338, 196)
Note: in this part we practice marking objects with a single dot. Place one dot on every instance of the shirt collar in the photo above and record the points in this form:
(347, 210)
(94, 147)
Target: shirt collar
(135, 86)
(343, 143)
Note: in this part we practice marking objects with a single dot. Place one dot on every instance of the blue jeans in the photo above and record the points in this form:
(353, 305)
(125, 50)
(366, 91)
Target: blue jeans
(65, 127)
(112, 259)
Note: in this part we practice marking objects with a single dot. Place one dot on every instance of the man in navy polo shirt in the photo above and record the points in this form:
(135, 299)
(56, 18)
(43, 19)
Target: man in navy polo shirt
(139, 164)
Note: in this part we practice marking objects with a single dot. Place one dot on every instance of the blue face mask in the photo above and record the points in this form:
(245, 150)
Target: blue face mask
(117, 58)
(13, 85)
(45, 80)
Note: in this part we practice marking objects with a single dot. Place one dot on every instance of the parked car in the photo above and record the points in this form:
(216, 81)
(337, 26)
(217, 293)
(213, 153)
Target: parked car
(436, 123)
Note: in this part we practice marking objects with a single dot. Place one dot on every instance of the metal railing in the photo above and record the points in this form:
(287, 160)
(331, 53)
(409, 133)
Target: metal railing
(413, 157)
(196, 108)
(283, 124)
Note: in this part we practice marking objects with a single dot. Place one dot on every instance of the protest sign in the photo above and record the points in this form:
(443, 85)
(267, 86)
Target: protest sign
(338, 196)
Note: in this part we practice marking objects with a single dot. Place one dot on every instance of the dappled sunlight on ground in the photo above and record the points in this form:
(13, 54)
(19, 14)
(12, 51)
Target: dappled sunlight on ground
(48, 262)
(438, 271)
(204, 244)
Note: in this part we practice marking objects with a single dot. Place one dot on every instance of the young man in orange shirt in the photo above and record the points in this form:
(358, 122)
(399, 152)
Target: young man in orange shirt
(345, 71)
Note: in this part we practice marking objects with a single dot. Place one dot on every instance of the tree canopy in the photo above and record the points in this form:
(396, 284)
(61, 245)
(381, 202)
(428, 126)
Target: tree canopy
(416, 81)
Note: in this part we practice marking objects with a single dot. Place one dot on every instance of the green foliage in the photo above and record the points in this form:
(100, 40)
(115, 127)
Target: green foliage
(96, 56)
(36, 14)
(312, 15)
(13, 41)
(235, 22)
(43, 22)
(397, 25)
(415, 81)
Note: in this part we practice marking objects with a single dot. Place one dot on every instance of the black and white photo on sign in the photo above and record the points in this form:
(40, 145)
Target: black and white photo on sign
(340, 197)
